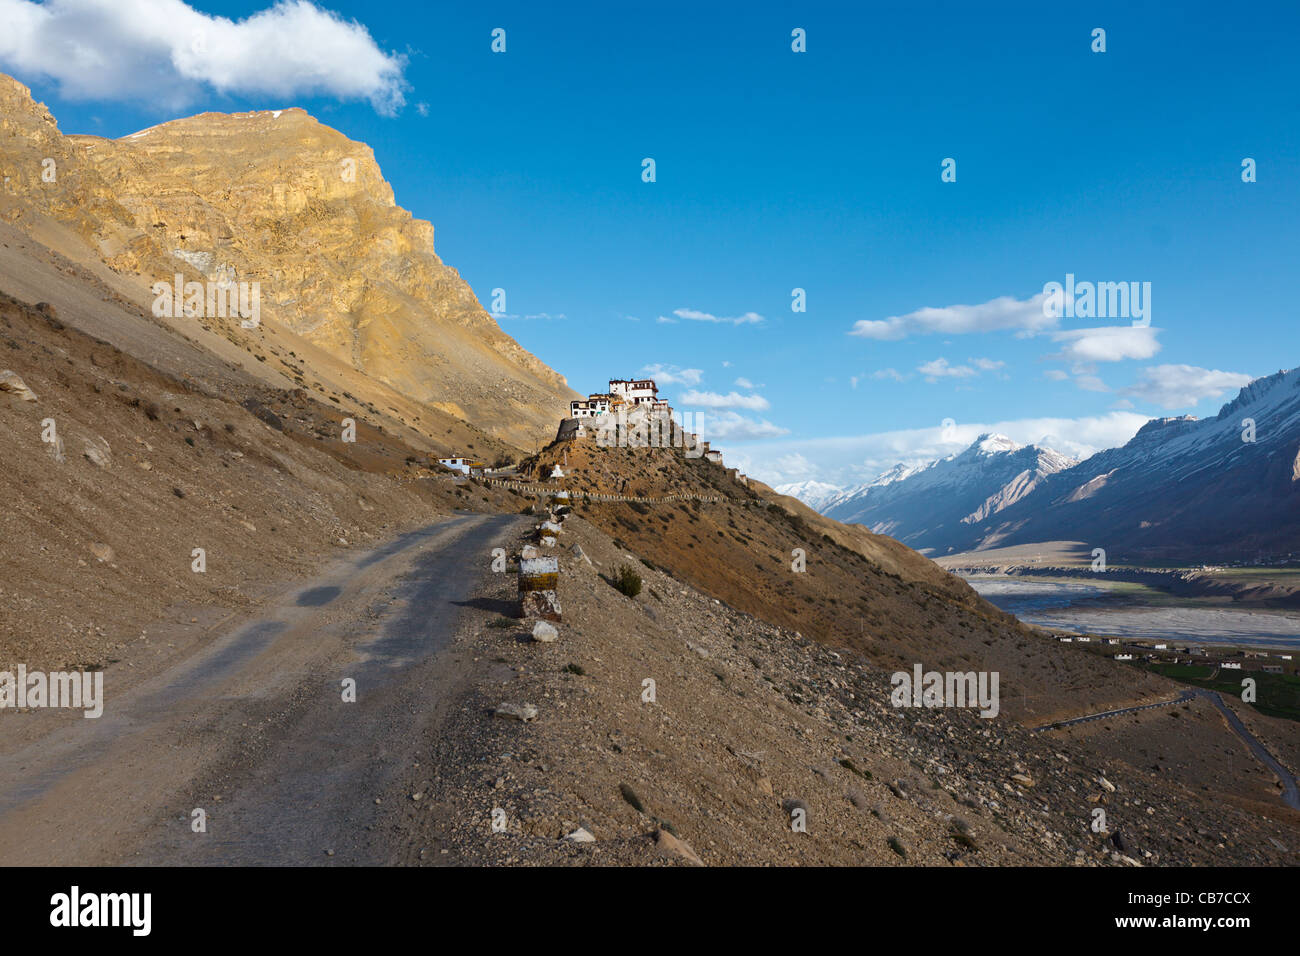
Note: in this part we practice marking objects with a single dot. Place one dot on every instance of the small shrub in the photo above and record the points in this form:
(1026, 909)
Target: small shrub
(627, 581)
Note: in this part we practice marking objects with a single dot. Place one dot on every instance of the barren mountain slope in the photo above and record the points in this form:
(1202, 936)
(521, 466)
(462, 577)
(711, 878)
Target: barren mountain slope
(859, 590)
(750, 722)
(114, 472)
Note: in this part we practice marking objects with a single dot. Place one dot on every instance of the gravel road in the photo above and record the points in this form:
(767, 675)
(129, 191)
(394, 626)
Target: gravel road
(252, 727)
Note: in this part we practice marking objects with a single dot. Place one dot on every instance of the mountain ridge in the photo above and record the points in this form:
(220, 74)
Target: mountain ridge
(278, 198)
(1177, 490)
(916, 504)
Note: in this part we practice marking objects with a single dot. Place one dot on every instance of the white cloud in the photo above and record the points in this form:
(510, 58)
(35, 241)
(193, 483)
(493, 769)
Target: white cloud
(167, 53)
(1055, 375)
(672, 375)
(939, 368)
(1002, 313)
(694, 315)
(890, 373)
(731, 426)
(1109, 343)
(796, 464)
(743, 382)
(1182, 386)
(753, 403)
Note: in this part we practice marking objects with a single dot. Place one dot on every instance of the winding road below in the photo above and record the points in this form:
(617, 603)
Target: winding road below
(1290, 790)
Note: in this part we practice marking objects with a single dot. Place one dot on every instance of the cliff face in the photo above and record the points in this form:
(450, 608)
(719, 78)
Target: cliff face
(282, 200)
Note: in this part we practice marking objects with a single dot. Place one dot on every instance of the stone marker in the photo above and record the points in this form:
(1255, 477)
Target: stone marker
(539, 579)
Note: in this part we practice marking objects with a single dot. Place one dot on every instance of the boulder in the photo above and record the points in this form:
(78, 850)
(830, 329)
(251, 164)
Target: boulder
(669, 845)
(544, 633)
(97, 452)
(15, 386)
(521, 712)
(102, 552)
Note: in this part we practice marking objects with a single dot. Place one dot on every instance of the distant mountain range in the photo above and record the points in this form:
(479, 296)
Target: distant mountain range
(1181, 490)
(927, 507)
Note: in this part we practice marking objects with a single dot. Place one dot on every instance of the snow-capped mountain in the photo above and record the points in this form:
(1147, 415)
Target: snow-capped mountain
(812, 493)
(929, 507)
(1182, 489)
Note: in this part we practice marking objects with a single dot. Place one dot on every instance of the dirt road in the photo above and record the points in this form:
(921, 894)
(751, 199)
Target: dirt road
(253, 729)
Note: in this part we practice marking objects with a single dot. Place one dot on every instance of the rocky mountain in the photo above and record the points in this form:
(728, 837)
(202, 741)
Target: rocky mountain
(932, 507)
(1182, 489)
(277, 198)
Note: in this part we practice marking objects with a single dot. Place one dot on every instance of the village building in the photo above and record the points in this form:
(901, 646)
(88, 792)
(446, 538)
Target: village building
(641, 391)
(466, 466)
(593, 405)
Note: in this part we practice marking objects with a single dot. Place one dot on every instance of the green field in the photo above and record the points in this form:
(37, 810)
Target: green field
(1277, 695)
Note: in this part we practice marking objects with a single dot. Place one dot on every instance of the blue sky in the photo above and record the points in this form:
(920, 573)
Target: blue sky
(778, 170)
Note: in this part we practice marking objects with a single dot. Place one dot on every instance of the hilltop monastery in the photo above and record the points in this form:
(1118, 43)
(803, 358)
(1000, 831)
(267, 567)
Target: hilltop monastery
(632, 414)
